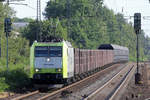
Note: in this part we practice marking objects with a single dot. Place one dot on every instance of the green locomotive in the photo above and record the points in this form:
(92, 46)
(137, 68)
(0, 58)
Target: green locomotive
(51, 62)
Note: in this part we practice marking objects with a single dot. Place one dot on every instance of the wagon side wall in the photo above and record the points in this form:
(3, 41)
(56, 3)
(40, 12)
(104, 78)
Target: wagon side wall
(88, 60)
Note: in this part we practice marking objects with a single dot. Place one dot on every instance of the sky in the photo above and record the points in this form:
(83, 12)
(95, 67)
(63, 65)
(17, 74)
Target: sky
(129, 7)
(29, 10)
(126, 7)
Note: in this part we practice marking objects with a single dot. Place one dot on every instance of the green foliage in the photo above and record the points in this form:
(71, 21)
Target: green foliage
(30, 31)
(3, 85)
(18, 50)
(48, 28)
(87, 24)
(15, 78)
(71, 8)
(22, 19)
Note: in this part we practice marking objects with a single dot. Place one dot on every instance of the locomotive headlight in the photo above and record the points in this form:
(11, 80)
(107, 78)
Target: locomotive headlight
(48, 59)
(59, 70)
(36, 70)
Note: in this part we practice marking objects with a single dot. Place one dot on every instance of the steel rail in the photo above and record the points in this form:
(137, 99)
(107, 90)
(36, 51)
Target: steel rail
(26, 95)
(99, 89)
(123, 84)
(72, 85)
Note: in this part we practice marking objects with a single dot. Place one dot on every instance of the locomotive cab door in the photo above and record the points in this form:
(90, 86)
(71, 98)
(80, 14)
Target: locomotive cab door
(70, 65)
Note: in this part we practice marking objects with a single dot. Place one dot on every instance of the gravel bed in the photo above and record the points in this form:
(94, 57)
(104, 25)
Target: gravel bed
(88, 89)
(19, 92)
(35, 97)
(10, 97)
(141, 91)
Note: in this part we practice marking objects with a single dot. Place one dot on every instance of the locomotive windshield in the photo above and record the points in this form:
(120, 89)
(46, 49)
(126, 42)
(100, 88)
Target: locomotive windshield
(41, 51)
(53, 51)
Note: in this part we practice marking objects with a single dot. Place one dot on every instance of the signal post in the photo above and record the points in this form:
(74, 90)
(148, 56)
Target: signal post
(137, 28)
(7, 31)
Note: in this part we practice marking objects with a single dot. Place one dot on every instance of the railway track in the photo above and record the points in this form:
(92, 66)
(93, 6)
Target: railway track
(65, 90)
(33, 95)
(26, 95)
(140, 91)
(113, 89)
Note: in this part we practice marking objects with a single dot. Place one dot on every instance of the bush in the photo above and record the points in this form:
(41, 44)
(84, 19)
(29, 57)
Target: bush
(13, 79)
(3, 85)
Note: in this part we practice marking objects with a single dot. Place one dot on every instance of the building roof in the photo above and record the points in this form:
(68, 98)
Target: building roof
(20, 24)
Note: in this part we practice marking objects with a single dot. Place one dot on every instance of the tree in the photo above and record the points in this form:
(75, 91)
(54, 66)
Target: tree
(86, 24)
(18, 46)
(22, 19)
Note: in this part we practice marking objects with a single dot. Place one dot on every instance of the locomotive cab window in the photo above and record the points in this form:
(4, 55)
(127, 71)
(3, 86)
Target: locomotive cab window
(41, 51)
(55, 51)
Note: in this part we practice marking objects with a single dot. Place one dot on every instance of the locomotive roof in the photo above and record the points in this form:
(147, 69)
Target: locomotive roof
(112, 47)
(68, 43)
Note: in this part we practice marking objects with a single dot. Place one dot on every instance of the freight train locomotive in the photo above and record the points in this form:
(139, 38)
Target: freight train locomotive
(59, 62)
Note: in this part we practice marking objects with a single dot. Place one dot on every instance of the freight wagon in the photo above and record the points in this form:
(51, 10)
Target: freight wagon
(59, 62)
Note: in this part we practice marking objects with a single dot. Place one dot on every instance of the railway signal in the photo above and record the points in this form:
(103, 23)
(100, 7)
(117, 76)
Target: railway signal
(7, 29)
(137, 28)
(7, 24)
(137, 22)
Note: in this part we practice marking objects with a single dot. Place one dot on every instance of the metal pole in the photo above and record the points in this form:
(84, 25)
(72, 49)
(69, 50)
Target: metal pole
(137, 75)
(137, 53)
(7, 49)
(137, 28)
(40, 10)
(7, 43)
(0, 45)
(8, 2)
(37, 10)
(38, 33)
(120, 35)
(40, 20)
(68, 16)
